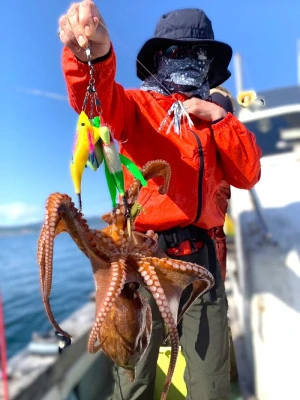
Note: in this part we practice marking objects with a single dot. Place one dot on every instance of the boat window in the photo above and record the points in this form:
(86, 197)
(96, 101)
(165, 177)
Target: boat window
(276, 134)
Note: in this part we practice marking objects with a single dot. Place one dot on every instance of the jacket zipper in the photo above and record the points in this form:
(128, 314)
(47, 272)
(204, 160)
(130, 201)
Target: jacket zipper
(200, 178)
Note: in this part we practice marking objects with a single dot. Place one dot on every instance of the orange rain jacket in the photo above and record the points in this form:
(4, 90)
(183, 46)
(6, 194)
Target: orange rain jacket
(199, 160)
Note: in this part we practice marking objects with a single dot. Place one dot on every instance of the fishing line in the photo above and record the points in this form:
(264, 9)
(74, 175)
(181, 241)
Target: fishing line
(177, 109)
(140, 63)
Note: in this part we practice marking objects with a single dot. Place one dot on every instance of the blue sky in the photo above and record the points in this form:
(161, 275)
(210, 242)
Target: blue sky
(37, 123)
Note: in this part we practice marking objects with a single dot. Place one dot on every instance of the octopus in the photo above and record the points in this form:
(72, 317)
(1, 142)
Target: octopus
(123, 260)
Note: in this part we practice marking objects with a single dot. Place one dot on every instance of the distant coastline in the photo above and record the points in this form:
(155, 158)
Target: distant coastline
(27, 229)
(20, 229)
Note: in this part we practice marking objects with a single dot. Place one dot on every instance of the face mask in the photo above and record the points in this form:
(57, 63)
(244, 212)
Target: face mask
(181, 73)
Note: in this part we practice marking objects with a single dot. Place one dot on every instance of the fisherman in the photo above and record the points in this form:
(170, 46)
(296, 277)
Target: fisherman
(172, 117)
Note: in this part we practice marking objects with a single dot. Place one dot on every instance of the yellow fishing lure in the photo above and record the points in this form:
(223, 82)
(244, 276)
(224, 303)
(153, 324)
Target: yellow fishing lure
(86, 136)
(93, 145)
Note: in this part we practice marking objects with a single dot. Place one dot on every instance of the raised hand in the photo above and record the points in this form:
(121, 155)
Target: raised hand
(203, 109)
(82, 25)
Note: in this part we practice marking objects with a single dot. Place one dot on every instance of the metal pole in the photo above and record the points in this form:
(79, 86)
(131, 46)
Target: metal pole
(238, 73)
(259, 213)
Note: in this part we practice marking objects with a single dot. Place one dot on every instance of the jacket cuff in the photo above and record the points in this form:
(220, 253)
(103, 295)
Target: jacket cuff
(99, 59)
(217, 120)
(222, 122)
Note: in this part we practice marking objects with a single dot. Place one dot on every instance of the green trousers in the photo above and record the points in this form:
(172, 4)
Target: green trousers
(205, 343)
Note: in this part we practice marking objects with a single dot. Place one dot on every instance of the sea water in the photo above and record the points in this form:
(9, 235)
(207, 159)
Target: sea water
(24, 312)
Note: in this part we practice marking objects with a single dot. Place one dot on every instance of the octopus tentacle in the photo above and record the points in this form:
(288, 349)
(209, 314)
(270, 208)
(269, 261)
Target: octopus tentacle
(124, 241)
(166, 278)
(67, 214)
(41, 258)
(58, 206)
(175, 275)
(51, 219)
(198, 289)
(151, 170)
(158, 168)
(89, 241)
(45, 254)
(150, 277)
(77, 226)
(118, 278)
(42, 263)
(104, 244)
(116, 220)
(146, 243)
(52, 319)
(65, 211)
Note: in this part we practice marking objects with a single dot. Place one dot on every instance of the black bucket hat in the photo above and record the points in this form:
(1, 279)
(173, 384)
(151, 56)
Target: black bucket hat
(188, 26)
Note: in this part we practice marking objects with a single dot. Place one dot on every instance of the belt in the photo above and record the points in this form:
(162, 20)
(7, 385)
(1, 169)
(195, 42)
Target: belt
(188, 240)
(184, 248)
